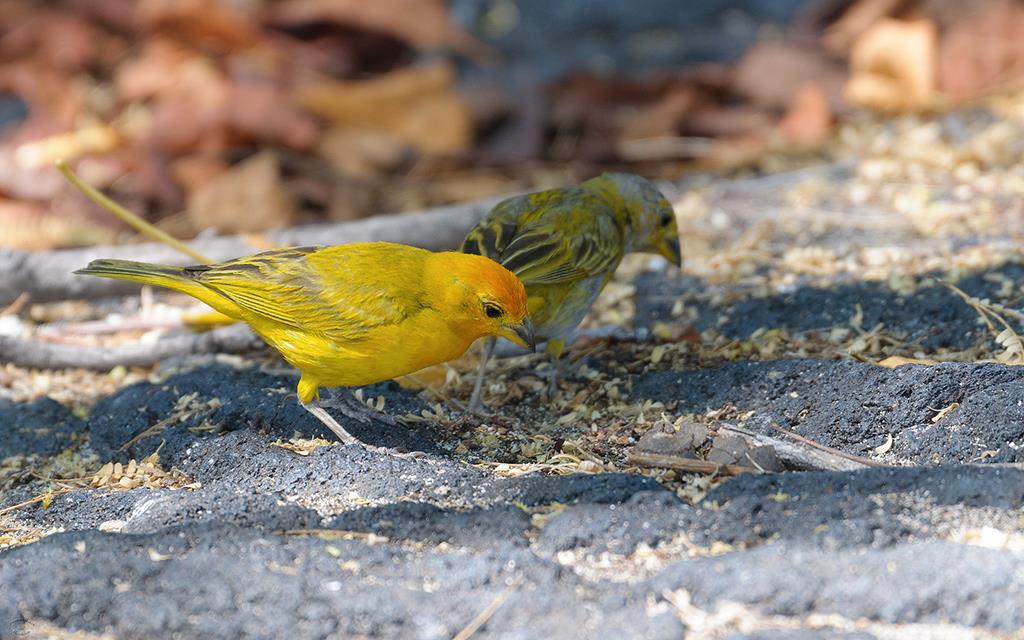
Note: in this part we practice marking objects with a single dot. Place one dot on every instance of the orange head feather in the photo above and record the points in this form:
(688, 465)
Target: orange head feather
(484, 297)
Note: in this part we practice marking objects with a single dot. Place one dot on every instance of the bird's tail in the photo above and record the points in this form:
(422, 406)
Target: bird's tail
(159, 275)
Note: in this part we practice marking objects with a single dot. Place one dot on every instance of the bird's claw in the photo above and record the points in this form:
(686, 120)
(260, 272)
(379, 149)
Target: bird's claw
(352, 408)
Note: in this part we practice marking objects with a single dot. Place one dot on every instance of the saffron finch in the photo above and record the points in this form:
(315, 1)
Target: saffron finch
(352, 314)
(565, 244)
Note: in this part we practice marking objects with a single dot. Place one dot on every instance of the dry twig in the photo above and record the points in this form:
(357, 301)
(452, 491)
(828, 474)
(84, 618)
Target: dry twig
(40, 355)
(46, 275)
(808, 454)
(481, 618)
(688, 465)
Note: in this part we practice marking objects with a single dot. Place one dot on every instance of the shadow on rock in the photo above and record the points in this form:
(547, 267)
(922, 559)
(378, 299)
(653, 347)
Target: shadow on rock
(190, 406)
(39, 428)
(932, 316)
(855, 406)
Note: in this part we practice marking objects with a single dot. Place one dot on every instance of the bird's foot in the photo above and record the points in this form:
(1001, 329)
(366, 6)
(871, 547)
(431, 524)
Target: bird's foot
(352, 408)
(361, 413)
(551, 391)
(476, 406)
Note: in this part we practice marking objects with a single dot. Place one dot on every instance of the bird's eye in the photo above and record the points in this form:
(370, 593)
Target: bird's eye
(666, 219)
(492, 310)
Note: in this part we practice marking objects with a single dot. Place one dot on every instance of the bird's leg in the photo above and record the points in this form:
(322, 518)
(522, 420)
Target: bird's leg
(475, 401)
(365, 414)
(321, 414)
(554, 349)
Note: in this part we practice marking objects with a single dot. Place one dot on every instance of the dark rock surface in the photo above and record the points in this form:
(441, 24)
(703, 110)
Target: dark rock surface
(245, 398)
(545, 39)
(872, 544)
(855, 406)
(343, 542)
(40, 428)
(931, 316)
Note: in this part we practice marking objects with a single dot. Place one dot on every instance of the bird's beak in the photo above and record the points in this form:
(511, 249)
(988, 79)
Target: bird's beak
(521, 334)
(670, 250)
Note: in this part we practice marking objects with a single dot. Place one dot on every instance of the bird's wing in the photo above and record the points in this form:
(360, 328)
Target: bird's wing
(492, 234)
(299, 287)
(550, 237)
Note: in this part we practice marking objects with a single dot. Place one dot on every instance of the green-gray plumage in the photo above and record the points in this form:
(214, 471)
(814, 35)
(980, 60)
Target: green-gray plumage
(565, 244)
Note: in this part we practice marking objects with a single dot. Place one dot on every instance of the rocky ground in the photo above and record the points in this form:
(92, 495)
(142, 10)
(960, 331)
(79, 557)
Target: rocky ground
(199, 501)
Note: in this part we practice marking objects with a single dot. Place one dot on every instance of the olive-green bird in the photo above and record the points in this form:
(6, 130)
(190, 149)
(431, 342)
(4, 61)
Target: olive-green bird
(565, 244)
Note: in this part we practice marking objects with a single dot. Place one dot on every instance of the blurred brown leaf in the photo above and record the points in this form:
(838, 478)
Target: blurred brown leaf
(808, 119)
(596, 116)
(20, 181)
(416, 105)
(892, 66)
(421, 23)
(352, 199)
(69, 146)
(769, 73)
(196, 105)
(202, 23)
(55, 38)
(55, 101)
(855, 21)
(262, 111)
(247, 197)
(721, 120)
(729, 153)
(31, 226)
(160, 68)
(983, 52)
(187, 94)
(362, 154)
(663, 117)
(192, 172)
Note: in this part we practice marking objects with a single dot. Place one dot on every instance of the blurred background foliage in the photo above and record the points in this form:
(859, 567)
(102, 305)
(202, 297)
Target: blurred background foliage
(239, 116)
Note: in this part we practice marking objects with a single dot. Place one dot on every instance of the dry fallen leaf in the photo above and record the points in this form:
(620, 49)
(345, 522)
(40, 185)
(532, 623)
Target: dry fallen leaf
(262, 111)
(898, 361)
(203, 23)
(193, 171)
(69, 146)
(303, 446)
(663, 117)
(31, 226)
(770, 73)
(886, 446)
(855, 20)
(808, 119)
(421, 23)
(416, 105)
(945, 411)
(247, 197)
(360, 153)
(892, 66)
(147, 473)
(983, 52)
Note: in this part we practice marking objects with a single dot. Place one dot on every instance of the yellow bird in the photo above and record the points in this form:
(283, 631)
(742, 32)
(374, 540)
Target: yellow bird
(352, 314)
(565, 244)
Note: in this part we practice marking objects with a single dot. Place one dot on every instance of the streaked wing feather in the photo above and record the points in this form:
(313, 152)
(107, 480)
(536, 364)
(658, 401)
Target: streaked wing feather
(282, 286)
(551, 254)
(492, 235)
(549, 237)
